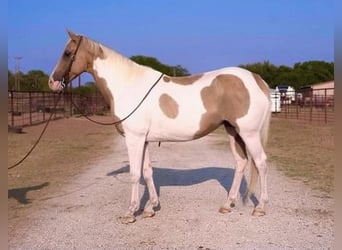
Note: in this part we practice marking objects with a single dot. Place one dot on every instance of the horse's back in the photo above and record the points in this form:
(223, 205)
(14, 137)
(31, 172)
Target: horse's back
(184, 108)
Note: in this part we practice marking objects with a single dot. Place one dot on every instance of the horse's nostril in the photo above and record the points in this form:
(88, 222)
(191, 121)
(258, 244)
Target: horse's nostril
(51, 81)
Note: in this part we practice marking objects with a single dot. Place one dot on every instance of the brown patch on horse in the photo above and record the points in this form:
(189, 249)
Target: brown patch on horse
(262, 85)
(183, 80)
(168, 105)
(87, 52)
(91, 53)
(226, 99)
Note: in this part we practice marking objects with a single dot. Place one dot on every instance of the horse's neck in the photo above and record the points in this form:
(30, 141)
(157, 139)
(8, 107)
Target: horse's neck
(114, 68)
(114, 74)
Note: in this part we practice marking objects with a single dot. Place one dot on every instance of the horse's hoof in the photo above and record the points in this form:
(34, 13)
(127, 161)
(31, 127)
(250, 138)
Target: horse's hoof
(224, 210)
(258, 212)
(127, 219)
(148, 214)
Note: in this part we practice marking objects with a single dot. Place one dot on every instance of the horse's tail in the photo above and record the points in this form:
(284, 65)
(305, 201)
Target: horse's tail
(265, 127)
(254, 174)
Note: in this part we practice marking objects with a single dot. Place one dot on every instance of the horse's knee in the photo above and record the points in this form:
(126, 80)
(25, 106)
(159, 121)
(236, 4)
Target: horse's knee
(135, 177)
(147, 172)
(261, 163)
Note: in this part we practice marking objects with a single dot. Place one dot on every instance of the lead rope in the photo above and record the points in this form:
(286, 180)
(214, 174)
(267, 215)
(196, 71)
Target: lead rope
(100, 123)
(126, 117)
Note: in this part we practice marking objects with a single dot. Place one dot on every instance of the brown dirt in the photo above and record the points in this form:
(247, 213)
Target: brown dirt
(67, 149)
(71, 191)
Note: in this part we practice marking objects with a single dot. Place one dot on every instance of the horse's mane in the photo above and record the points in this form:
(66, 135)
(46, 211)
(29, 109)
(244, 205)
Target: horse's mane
(96, 48)
(100, 50)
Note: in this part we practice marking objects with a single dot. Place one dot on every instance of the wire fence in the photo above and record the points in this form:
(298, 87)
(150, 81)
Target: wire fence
(30, 108)
(308, 104)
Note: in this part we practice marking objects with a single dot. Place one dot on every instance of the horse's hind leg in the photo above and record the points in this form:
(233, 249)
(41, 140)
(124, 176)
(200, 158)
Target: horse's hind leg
(256, 151)
(148, 176)
(239, 151)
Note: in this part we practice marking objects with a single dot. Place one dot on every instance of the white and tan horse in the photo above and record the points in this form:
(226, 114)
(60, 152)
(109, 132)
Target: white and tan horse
(175, 109)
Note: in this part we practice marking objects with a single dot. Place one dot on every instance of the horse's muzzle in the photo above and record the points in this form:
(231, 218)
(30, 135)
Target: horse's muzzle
(56, 85)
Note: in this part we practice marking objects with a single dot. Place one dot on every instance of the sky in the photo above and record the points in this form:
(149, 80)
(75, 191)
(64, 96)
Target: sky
(199, 35)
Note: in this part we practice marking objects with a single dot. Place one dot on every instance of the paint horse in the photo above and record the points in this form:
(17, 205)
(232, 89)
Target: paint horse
(174, 109)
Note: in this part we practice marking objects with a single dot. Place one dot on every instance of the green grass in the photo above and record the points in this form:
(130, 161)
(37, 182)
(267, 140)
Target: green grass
(303, 150)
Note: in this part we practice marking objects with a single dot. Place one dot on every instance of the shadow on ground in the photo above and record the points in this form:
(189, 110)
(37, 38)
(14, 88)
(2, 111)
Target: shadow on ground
(20, 194)
(187, 177)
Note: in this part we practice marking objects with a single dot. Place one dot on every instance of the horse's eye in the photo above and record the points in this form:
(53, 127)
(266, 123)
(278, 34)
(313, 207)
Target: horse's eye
(67, 53)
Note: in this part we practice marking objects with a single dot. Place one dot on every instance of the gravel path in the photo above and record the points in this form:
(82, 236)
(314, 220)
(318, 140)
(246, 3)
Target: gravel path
(192, 179)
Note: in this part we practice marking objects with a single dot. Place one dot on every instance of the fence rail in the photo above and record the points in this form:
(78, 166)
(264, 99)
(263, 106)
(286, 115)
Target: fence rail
(309, 104)
(30, 108)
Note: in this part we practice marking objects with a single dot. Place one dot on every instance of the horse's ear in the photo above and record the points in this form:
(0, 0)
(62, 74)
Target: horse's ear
(72, 35)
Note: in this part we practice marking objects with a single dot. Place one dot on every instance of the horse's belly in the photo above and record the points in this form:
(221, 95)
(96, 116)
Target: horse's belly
(174, 130)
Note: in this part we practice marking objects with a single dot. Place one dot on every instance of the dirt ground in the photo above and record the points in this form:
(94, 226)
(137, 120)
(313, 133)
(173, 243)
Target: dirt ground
(71, 192)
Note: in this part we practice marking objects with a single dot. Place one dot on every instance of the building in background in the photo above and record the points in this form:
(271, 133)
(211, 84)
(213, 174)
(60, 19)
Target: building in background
(318, 94)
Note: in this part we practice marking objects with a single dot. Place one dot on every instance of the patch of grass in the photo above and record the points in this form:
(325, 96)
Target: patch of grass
(303, 150)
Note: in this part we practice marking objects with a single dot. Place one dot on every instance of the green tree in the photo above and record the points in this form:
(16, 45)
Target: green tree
(265, 69)
(314, 71)
(154, 63)
(11, 80)
(301, 74)
(87, 88)
(35, 80)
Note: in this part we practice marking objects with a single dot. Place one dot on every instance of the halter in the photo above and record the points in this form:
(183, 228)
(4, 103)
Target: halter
(65, 79)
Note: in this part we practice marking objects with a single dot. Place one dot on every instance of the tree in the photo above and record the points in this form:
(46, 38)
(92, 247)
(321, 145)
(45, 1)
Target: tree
(87, 88)
(35, 80)
(301, 74)
(11, 80)
(154, 63)
(314, 71)
(264, 69)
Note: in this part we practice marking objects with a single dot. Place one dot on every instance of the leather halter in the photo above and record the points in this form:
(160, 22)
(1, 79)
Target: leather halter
(65, 79)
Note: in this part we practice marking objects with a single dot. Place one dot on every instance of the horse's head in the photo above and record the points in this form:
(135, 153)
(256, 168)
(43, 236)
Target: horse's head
(71, 63)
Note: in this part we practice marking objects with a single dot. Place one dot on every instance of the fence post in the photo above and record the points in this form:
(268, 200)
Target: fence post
(30, 106)
(70, 98)
(96, 104)
(54, 105)
(65, 103)
(12, 109)
(297, 104)
(325, 106)
(311, 105)
(43, 107)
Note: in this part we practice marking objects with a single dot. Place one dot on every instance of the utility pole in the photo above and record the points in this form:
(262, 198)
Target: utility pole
(17, 72)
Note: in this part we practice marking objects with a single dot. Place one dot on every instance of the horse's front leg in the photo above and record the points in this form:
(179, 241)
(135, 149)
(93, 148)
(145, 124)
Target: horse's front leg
(135, 147)
(148, 176)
